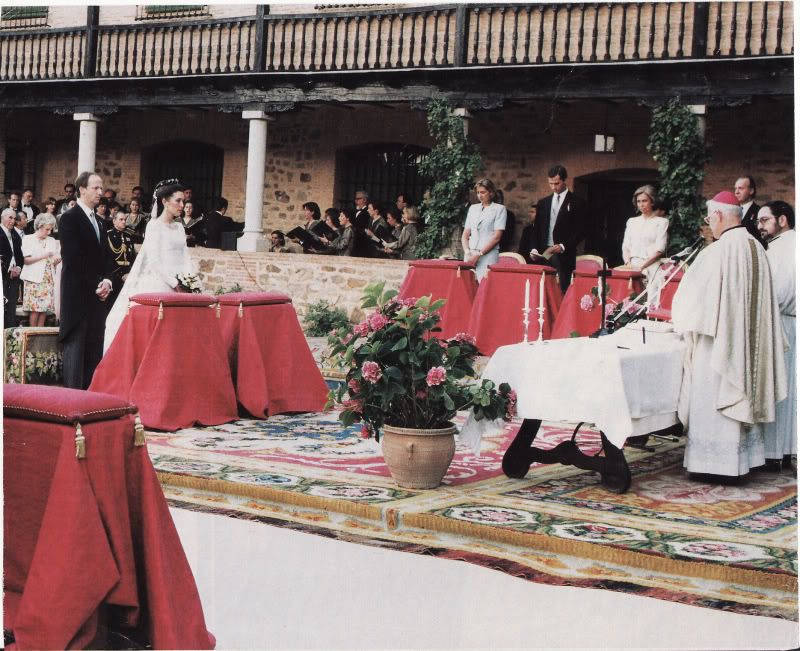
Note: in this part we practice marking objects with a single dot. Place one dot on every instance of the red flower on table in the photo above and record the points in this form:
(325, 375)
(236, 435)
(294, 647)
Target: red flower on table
(587, 303)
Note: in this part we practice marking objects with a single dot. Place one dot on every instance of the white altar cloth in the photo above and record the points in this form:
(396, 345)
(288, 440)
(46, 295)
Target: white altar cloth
(621, 385)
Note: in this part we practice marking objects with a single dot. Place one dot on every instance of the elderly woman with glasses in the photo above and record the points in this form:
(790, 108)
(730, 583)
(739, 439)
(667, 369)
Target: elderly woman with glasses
(645, 238)
(42, 255)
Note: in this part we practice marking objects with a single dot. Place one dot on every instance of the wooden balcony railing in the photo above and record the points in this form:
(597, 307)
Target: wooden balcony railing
(453, 35)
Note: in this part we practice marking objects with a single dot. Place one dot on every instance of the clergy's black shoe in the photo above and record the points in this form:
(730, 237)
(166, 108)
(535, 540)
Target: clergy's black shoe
(722, 480)
(772, 465)
(787, 462)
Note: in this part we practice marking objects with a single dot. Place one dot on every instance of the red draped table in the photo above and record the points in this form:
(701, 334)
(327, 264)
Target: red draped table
(452, 280)
(497, 317)
(273, 368)
(89, 542)
(574, 319)
(168, 357)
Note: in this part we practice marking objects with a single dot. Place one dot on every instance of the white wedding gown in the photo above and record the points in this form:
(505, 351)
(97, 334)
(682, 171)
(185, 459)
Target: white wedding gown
(163, 256)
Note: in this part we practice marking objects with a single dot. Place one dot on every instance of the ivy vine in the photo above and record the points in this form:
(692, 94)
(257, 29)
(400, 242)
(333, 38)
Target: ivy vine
(451, 166)
(677, 146)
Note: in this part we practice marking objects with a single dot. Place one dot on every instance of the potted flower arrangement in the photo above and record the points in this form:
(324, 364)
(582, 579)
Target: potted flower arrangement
(405, 385)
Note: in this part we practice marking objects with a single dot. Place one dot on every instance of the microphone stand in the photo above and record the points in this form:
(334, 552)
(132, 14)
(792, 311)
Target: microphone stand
(669, 278)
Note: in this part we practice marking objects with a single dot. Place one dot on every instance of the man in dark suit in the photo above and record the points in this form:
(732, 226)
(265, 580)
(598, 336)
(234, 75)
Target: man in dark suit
(11, 261)
(560, 225)
(217, 224)
(29, 208)
(361, 245)
(745, 191)
(378, 230)
(85, 283)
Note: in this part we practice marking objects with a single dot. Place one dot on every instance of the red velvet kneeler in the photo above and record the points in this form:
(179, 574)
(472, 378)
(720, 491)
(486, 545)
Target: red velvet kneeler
(452, 280)
(497, 315)
(168, 358)
(88, 537)
(273, 367)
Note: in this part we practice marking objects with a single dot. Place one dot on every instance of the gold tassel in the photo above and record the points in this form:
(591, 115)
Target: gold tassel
(160, 311)
(219, 310)
(458, 272)
(138, 432)
(241, 310)
(80, 442)
(630, 283)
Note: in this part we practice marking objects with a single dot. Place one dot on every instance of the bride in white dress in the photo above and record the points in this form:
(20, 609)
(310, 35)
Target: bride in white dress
(163, 256)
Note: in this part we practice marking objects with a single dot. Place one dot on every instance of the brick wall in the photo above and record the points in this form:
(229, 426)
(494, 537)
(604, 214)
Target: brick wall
(518, 144)
(306, 278)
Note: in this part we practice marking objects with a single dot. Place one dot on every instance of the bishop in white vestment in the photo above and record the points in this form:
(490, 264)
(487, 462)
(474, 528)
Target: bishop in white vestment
(734, 371)
(776, 224)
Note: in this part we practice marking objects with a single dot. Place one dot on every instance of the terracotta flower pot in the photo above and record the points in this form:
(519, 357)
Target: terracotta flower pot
(418, 458)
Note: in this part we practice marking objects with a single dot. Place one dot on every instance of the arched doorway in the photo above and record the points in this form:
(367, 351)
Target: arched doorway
(195, 163)
(384, 170)
(609, 195)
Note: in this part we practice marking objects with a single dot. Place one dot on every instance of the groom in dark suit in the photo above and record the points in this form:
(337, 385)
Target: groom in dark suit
(560, 225)
(85, 283)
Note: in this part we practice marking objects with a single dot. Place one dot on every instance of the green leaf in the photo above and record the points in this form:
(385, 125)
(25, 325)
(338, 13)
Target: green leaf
(401, 344)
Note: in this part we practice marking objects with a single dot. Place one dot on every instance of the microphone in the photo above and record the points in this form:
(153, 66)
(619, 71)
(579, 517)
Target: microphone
(688, 250)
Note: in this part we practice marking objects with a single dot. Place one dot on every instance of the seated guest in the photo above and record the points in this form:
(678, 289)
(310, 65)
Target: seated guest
(526, 240)
(645, 235)
(120, 247)
(343, 244)
(378, 230)
(217, 224)
(332, 221)
(62, 205)
(136, 220)
(394, 218)
(192, 224)
(103, 212)
(278, 242)
(483, 229)
(42, 254)
(404, 247)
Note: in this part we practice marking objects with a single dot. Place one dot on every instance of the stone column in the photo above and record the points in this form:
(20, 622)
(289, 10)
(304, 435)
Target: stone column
(87, 145)
(465, 116)
(253, 238)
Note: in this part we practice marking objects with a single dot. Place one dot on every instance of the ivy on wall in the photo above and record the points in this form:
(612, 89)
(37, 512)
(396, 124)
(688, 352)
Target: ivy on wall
(677, 146)
(451, 166)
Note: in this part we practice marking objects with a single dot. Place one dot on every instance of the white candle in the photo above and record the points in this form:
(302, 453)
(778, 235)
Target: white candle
(541, 290)
(527, 293)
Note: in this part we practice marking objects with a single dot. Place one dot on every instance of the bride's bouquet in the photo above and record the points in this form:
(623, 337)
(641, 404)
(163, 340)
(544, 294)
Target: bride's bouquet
(189, 283)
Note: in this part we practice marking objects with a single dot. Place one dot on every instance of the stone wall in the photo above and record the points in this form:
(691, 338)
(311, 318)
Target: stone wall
(306, 278)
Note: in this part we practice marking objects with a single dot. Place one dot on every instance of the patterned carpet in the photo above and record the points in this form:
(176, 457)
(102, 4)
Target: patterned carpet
(725, 547)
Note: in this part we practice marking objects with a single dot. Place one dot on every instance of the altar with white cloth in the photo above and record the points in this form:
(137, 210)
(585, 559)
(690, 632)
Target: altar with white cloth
(626, 384)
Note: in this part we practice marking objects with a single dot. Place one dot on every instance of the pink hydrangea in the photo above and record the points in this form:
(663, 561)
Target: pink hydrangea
(587, 303)
(348, 338)
(631, 307)
(378, 321)
(436, 376)
(371, 372)
(421, 394)
(354, 386)
(465, 338)
(361, 329)
(609, 309)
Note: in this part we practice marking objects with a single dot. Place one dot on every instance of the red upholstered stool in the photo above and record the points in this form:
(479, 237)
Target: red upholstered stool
(273, 367)
(168, 358)
(497, 315)
(87, 528)
(449, 279)
(575, 320)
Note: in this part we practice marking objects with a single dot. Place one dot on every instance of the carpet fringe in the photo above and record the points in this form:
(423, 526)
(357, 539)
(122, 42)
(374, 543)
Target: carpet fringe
(268, 494)
(644, 561)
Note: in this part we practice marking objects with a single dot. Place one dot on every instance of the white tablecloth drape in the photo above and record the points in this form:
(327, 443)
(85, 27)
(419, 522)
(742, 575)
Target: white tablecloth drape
(624, 386)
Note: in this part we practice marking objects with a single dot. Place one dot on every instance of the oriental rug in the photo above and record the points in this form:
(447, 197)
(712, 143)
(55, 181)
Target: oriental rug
(724, 547)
